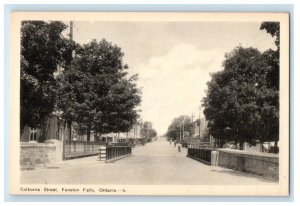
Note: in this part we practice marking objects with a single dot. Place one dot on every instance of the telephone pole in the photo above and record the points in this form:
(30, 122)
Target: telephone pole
(200, 122)
(183, 130)
(71, 38)
(180, 131)
(193, 129)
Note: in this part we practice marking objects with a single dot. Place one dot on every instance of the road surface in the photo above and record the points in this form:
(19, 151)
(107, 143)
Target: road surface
(157, 163)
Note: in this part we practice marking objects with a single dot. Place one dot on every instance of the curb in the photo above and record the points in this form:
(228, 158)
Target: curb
(117, 158)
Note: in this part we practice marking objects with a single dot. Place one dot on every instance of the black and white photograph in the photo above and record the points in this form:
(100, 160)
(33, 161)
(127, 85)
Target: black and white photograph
(133, 103)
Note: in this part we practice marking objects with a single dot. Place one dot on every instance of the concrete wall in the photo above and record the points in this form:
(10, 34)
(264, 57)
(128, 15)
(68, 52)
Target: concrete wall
(35, 154)
(262, 164)
(78, 149)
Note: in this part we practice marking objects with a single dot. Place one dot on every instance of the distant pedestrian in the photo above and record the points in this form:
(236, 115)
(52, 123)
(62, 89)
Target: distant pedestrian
(179, 148)
(170, 142)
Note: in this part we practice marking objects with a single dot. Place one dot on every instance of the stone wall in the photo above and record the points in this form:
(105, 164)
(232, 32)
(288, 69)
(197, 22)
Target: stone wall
(38, 154)
(262, 164)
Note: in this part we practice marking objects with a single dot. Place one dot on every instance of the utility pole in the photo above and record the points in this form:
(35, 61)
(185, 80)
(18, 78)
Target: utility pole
(148, 131)
(193, 131)
(71, 38)
(183, 130)
(200, 122)
(180, 130)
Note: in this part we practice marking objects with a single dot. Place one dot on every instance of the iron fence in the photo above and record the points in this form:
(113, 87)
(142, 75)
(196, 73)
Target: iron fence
(117, 151)
(200, 154)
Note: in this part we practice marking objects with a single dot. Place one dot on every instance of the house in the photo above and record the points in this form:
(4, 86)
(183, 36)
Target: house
(54, 128)
(198, 132)
(134, 135)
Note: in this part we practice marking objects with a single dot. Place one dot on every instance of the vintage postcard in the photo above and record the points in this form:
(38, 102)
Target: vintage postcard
(149, 103)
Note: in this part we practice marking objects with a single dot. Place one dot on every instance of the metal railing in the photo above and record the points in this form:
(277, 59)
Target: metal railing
(200, 154)
(115, 152)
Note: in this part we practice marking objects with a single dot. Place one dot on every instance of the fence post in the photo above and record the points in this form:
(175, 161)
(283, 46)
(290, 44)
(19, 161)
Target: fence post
(214, 158)
(113, 152)
(102, 152)
(64, 150)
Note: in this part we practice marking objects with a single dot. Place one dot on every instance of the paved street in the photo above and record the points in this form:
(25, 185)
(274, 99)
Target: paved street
(155, 163)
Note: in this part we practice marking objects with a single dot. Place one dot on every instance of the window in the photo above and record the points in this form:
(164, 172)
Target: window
(32, 134)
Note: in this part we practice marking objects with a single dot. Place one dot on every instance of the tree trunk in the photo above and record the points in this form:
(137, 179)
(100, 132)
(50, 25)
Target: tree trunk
(241, 145)
(88, 135)
(21, 131)
(222, 142)
(70, 130)
(276, 146)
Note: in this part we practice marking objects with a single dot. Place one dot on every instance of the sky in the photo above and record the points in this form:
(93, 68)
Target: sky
(173, 59)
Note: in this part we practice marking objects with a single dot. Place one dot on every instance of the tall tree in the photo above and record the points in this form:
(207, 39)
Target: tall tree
(42, 48)
(147, 130)
(239, 104)
(175, 129)
(95, 91)
(118, 113)
(77, 98)
(273, 76)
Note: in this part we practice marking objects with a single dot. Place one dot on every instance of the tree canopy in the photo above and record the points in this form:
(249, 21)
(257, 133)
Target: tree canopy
(147, 130)
(175, 129)
(88, 83)
(42, 50)
(242, 102)
(240, 106)
(95, 91)
(272, 28)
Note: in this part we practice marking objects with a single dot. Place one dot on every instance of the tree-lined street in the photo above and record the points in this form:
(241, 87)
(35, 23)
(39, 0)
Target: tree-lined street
(82, 95)
(156, 163)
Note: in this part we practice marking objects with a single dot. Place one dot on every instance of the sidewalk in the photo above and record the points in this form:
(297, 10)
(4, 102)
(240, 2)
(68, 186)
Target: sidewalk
(156, 163)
